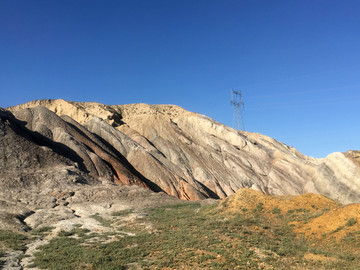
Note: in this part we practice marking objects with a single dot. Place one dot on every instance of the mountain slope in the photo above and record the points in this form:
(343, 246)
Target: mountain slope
(188, 155)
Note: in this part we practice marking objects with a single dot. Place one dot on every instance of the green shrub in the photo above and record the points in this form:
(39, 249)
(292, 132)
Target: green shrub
(259, 207)
(338, 229)
(276, 211)
(351, 222)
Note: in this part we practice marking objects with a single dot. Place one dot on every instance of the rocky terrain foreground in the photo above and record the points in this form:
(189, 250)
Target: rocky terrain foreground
(67, 167)
(140, 229)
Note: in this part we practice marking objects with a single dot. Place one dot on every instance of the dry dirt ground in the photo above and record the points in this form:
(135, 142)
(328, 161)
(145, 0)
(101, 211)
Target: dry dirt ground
(322, 217)
(313, 216)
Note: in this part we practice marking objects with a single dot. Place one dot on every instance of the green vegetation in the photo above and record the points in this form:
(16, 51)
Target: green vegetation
(191, 236)
(76, 231)
(351, 222)
(12, 240)
(276, 211)
(104, 222)
(303, 215)
(259, 207)
(122, 213)
(41, 231)
(338, 229)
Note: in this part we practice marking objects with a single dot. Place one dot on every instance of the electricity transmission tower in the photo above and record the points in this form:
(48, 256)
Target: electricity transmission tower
(238, 103)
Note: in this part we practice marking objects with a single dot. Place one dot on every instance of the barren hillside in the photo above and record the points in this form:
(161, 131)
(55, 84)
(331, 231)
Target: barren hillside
(184, 154)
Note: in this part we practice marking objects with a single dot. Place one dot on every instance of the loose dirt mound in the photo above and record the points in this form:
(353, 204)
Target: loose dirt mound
(248, 199)
(337, 223)
(312, 215)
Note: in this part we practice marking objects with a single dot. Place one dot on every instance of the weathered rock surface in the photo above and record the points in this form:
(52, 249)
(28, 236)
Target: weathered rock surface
(187, 155)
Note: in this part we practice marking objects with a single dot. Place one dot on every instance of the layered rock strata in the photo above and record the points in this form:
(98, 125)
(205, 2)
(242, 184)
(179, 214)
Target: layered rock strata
(187, 155)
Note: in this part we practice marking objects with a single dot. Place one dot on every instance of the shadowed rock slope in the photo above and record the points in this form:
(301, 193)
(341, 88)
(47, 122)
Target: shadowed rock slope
(187, 155)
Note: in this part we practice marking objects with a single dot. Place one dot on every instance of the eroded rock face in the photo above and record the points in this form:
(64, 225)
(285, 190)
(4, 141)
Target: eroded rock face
(26, 157)
(190, 156)
(80, 145)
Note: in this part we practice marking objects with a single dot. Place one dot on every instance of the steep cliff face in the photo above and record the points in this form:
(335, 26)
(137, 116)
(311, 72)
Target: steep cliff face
(188, 155)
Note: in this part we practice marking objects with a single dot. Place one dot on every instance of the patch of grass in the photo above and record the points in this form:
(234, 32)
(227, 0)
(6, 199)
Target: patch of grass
(122, 213)
(225, 202)
(76, 231)
(65, 233)
(303, 214)
(302, 210)
(104, 222)
(42, 230)
(338, 229)
(259, 207)
(276, 211)
(70, 253)
(350, 238)
(13, 240)
(347, 257)
(350, 222)
(81, 232)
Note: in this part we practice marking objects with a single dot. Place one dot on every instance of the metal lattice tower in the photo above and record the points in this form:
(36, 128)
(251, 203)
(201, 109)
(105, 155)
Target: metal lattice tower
(238, 103)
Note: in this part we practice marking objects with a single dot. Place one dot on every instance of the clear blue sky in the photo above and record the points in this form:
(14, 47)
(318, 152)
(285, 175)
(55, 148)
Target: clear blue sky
(296, 61)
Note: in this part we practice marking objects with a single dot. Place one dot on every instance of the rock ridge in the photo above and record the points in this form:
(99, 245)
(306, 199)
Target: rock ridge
(184, 154)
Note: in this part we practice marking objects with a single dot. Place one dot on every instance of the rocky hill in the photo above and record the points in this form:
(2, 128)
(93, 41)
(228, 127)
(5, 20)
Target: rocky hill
(161, 148)
(96, 171)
